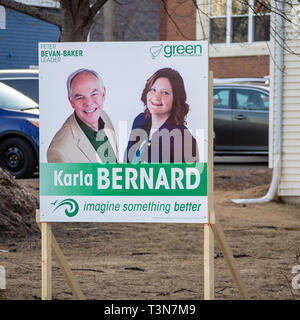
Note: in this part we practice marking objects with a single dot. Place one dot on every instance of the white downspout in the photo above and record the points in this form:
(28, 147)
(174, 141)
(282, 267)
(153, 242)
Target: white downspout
(278, 142)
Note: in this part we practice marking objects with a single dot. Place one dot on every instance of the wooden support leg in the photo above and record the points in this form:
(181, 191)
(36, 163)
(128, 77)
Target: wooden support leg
(62, 263)
(46, 261)
(209, 285)
(208, 263)
(66, 270)
(220, 237)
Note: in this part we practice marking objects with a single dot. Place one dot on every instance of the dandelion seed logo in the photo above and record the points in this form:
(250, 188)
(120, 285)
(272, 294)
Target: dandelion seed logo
(155, 51)
(72, 205)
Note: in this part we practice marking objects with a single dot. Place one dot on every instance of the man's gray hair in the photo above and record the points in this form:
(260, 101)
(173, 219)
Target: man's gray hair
(76, 73)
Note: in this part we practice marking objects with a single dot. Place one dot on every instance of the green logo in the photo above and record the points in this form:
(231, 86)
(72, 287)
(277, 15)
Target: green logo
(176, 50)
(155, 51)
(72, 207)
(182, 50)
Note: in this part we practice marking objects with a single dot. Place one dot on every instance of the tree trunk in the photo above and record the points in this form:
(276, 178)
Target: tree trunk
(75, 20)
(109, 27)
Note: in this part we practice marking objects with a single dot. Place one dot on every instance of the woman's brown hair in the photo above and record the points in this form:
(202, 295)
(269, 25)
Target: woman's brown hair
(180, 108)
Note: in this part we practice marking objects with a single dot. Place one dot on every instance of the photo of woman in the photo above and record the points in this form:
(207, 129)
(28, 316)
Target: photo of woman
(159, 134)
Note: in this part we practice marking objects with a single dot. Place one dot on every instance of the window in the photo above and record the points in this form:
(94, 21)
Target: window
(218, 21)
(238, 21)
(13, 99)
(29, 87)
(2, 18)
(261, 23)
(221, 98)
(247, 99)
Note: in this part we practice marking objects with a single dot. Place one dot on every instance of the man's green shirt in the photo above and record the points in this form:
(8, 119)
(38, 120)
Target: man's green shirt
(99, 141)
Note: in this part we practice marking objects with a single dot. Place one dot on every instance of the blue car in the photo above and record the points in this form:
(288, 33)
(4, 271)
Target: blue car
(19, 132)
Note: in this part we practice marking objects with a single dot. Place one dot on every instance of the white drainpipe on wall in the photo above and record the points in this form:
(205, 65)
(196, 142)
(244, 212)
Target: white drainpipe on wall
(278, 139)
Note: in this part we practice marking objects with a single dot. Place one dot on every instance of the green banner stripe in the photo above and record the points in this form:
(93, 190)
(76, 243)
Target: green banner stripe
(92, 179)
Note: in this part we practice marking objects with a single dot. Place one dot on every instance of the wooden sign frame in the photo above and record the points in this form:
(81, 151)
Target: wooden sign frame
(212, 230)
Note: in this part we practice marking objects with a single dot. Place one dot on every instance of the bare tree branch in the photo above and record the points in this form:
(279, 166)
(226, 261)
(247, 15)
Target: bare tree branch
(39, 13)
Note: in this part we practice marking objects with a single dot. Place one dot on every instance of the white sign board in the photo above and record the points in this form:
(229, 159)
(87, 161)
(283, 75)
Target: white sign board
(123, 131)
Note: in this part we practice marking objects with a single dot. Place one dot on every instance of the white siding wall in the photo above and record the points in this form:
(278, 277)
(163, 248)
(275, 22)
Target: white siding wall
(290, 174)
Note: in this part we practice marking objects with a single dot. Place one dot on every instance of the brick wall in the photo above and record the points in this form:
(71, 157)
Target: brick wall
(177, 20)
(254, 66)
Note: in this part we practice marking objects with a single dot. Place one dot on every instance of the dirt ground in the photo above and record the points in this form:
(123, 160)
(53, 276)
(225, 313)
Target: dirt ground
(165, 261)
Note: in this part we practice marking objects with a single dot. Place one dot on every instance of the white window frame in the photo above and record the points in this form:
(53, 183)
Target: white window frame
(228, 48)
(2, 18)
(229, 17)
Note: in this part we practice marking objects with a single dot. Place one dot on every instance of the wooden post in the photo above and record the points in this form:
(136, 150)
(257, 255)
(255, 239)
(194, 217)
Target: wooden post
(210, 165)
(208, 234)
(208, 259)
(213, 228)
(63, 265)
(46, 261)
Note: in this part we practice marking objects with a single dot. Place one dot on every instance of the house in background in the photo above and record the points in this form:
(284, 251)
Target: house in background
(285, 86)
(239, 39)
(20, 35)
(239, 35)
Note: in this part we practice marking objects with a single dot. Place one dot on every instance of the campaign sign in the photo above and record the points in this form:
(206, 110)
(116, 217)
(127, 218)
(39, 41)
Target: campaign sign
(124, 131)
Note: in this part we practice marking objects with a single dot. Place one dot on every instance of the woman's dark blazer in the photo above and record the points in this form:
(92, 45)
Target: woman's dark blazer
(170, 143)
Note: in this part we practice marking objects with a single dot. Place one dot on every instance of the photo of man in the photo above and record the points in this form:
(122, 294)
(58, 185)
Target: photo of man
(88, 134)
